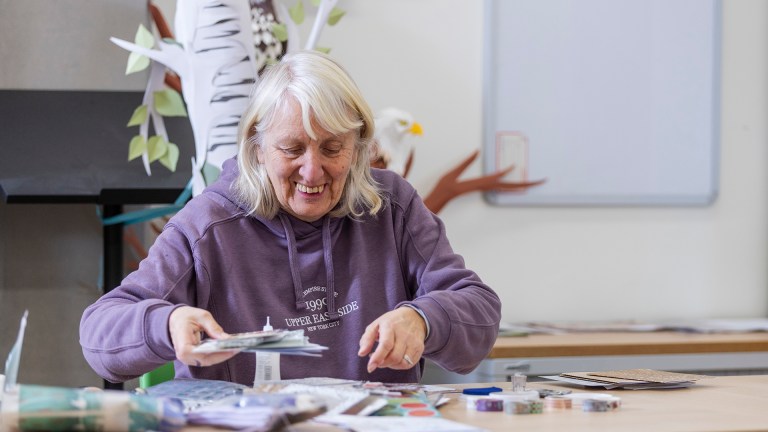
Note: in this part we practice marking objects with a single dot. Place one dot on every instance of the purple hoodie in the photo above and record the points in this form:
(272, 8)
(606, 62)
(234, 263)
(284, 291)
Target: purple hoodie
(330, 278)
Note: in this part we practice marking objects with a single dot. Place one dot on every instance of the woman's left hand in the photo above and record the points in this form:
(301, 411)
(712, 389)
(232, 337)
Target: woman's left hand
(400, 334)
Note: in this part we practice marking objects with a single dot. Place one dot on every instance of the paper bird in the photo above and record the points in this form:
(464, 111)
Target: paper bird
(392, 129)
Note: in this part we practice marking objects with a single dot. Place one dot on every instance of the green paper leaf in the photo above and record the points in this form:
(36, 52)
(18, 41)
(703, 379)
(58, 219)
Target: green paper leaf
(297, 13)
(136, 63)
(156, 148)
(210, 173)
(280, 31)
(168, 102)
(335, 16)
(137, 147)
(144, 37)
(323, 50)
(171, 157)
(315, 3)
(139, 116)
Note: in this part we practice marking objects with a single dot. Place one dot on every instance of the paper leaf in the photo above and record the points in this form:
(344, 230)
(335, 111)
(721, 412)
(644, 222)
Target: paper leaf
(335, 16)
(210, 173)
(136, 63)
(156, 148)
(137, 147)
(168, 102)
(297, 13)
(144, 37)
(171, 157)
(280, 31)
(323, 50)
(139, 116)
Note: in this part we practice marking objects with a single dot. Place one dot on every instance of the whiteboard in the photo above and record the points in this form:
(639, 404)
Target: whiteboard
(613, 102)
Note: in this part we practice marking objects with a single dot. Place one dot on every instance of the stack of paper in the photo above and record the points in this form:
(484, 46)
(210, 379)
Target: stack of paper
(633, 379)
(257, 412)
(291, 342)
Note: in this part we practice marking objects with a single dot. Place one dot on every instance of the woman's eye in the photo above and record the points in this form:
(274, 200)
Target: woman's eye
(292, 151)
(332, 149)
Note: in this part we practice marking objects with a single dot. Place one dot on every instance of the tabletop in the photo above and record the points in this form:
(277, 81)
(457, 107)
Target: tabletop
(627, 343)
(732, 403)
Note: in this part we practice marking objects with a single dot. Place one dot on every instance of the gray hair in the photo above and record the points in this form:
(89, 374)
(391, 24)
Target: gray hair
(326, 94)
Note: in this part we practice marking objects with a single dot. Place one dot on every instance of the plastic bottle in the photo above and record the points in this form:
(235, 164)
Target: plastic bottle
(267, 364)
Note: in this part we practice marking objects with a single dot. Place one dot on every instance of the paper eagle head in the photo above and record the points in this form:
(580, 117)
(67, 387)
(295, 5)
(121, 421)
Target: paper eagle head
(392, 146)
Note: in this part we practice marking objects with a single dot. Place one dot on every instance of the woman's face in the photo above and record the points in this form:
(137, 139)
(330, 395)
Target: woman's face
(308, 175)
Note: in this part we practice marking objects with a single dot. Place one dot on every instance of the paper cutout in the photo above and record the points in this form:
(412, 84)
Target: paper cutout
(171, 157)
(139, 116)
(156, 148)
(14, 357)
(210, 173)
(137, 147)
(393, 128)
(280, 31)
(335, 16)
(215, 59)
(138, 62)
(168, 102)
(323, 11)
(297, 13)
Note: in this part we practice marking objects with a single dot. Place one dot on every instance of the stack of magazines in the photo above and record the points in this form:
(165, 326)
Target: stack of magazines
(631, 379)
(292, 342)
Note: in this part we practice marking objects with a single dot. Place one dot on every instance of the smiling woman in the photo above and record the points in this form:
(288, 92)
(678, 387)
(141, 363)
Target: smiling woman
(301, 132)
(307, 174)
(300, 229)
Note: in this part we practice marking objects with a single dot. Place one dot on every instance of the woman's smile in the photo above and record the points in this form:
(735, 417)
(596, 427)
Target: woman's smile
(309, 189)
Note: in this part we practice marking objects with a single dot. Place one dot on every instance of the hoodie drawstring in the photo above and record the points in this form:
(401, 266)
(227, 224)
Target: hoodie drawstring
(330, 283)
(328, 258)
(292, 258)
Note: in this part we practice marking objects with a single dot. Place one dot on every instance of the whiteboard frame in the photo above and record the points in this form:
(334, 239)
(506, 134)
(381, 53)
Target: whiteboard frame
(545, 195)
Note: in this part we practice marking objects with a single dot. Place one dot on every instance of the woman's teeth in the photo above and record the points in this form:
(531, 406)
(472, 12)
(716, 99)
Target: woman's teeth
(311, 190)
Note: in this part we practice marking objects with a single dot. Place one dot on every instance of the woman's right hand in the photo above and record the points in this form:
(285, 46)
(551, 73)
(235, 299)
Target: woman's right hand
(186, 326)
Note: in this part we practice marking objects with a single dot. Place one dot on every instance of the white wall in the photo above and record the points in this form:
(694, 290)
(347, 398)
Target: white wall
(425, 56)
(575, 263)
(65, 44)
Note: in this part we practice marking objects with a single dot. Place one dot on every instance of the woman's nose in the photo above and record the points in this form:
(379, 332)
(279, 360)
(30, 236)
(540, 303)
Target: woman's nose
(312, 166)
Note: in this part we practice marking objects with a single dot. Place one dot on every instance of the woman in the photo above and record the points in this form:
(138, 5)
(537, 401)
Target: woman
(299, 229)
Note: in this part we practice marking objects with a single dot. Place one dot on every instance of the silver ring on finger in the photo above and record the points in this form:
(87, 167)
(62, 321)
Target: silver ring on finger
(408, 360)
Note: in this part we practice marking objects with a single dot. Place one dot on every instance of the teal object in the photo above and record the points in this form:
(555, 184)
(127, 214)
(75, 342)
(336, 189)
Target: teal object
(162, 374)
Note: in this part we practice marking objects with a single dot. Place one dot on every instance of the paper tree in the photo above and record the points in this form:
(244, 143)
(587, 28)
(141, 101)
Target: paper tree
(214, 55)
(215, 58)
